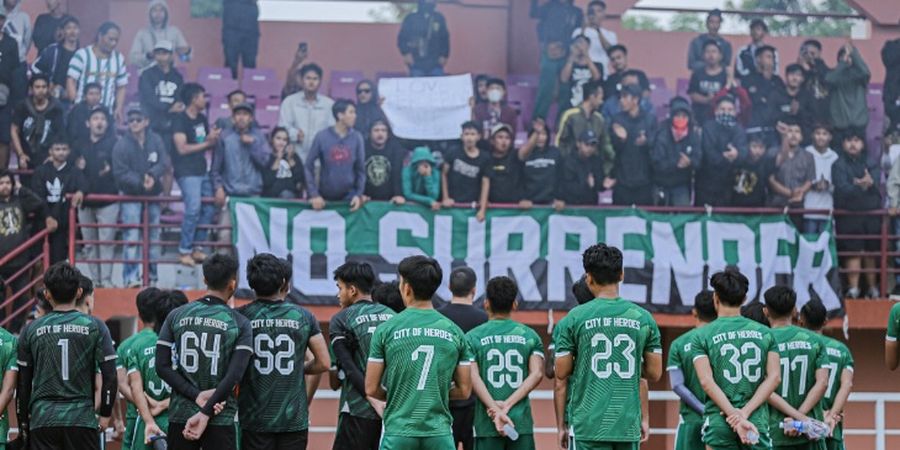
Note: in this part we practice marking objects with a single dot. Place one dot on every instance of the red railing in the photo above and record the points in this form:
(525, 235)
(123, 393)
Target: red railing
(43, 258)
(886, 237)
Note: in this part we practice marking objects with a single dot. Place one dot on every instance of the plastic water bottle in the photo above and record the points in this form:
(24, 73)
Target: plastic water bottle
(814, 429)
(511, 432)
(753, 437)
(159, 442)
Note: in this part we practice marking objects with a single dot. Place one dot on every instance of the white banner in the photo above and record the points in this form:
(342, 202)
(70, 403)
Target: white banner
(431, 108)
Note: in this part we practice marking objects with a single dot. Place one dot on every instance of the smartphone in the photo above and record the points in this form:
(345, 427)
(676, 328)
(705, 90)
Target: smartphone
(303, 47)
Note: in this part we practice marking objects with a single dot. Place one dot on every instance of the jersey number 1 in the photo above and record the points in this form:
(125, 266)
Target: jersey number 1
(64, 356)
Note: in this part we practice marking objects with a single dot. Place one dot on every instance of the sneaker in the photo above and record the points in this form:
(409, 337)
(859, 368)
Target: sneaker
(199, 256)
(134, 284)
(873, 293)
(895, 293)
(852, 293)
(187, 260)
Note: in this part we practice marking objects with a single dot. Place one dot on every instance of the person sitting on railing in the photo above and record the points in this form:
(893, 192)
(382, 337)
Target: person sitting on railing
(19, 208)
(421, 180)
(464, 175)
(751, 179)
(54, 181)
(856, 188)
(284, 176)
(724, 146)
(94, 157)
(140, 160)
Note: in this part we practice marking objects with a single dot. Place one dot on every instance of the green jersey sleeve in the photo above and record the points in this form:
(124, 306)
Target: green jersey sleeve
(10, 362)
(674, 359)
(653, 343)
(893, 325)
(564, 343)
(376, 353)
(537, 346)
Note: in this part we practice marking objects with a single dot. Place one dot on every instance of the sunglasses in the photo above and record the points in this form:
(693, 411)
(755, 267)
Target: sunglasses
(135, 119)
(363, 91)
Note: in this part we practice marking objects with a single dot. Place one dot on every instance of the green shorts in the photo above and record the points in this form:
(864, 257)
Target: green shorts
(718, 435)
(525, 442)
(129, 433)
(418, 443)
(689, 436)
(834, 444)
(137, 441)
(600, 445)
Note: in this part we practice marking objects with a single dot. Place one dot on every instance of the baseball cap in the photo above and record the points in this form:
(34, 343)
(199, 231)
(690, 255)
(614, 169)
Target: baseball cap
(500, 127)
(679, 104)
(163, 45)
(135, 108)
(243, 106)
(588, 137)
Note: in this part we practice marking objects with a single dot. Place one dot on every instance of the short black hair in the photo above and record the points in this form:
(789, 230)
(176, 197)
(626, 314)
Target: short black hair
(167, 301)
(311, 67)
(581, 292)
(501, 292)
(106, 27)
(712, 42)
(287, 271)
(781, 301)
(603, 263)
(5, 173)
(422, 274)
(93, 85)
(496, 82)
(812, 43)
(38, 77)
(705, 306)
(40, 299)
(87, 288)
(357, 274)
(189, 91)
(388, 294)
(599, 3)
(726, 98)
(818, 125)
(471, 125)
(617, 48)
(235, 92)
(756, 312)
(265, 275)
(462, 281)
(62, 281)
(67, 20)
(792, 68)
(762, 49)
(731, 287)
(592, 87)
(59, 140)
(790, 121)
(814, 314)
(219, 270)
(146, 304)
(714, 13)
(103, 111)
(759, 23)
(340, 107)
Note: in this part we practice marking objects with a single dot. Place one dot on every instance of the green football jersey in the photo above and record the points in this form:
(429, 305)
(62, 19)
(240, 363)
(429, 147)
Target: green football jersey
(737, 349)
(554, 338)
(7, 362)
(607, 339)
(203, 335)
(893, 325)
(502, 349)
(681, 357)
(801, 352)
(142, 359)
(64, 348)
(273, 391)
(355, 325)
(123, 355)
(420, 349)
(838, 358)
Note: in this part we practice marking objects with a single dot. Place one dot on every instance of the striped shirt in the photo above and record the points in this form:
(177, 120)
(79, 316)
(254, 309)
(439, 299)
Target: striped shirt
(85, 67)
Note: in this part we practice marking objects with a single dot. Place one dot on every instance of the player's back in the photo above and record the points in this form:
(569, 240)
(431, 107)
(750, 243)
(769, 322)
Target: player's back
(356, 324)
(681, 356)
(203, 335)
(273, 391)
(838, 358)
(737, 349)
(801, 353)
(420, 349)
(142, 359)
(607, 339)
(64, 348)
(502, 348)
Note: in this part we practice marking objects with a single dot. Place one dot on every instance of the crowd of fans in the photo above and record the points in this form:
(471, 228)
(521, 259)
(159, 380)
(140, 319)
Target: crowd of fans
(744, 136)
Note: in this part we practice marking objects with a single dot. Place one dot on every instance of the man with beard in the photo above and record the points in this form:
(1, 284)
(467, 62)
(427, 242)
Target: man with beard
(36, 122)
(384, 165)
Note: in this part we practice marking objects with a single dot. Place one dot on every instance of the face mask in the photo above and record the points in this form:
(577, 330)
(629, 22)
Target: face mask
(680, 123)
(495, 95)
(728, 120)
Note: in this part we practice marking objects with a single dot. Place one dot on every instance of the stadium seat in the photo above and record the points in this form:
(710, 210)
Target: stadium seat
(134, 76)
(343, 83)
(524, 80)
(216, 80)
(521, 98)
(267, 112)
(218, 108)
(681, 88)
(261, 83)
(660, 96)
(658, 82)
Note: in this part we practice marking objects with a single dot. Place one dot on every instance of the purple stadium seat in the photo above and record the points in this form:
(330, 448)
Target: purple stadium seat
(134, 76)
(522, 98)
(343, 83)
(218, 108)
(261, 83)
(216, 80)
(660, 97)
(658, 82)
(524, 80)
(681, 88)
(267, 112)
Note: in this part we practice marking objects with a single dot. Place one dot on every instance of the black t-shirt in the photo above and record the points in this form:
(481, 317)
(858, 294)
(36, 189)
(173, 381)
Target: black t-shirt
(464, 177)
(196, 130)
(540, 173)
(37, 129)
(505, 174)
(284, 182)
(750, 182)
(465, 317)
(706, 84)
(384, 170)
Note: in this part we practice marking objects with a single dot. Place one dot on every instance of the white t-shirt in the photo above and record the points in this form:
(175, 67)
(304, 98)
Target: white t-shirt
(597, 52)
(825, 199)
(110, 73)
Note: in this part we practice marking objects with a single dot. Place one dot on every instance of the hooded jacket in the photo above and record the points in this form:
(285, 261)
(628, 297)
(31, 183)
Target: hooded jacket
(368, 113)
(236, 166)
(131, 161)
(665, 153)
(424, 190)
(849, 87)
(424, 35)
(146, 38)
(716, 174)
(342, 160)
(384, 169)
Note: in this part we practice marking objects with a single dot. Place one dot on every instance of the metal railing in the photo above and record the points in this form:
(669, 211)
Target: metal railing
(42, 258)
(880, 432)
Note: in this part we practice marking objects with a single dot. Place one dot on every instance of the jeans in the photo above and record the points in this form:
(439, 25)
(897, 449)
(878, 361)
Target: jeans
(814, 226)
(193, 189)
(240, 47)
(437, 71)
(88, 215)
(673, 196)
(132, 213)
(547, 85)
